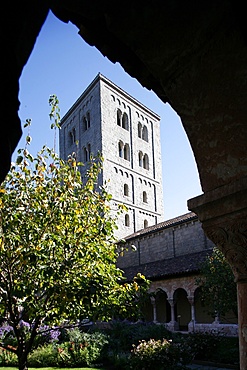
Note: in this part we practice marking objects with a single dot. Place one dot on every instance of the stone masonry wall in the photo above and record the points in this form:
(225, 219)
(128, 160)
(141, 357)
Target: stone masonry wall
(173, 241)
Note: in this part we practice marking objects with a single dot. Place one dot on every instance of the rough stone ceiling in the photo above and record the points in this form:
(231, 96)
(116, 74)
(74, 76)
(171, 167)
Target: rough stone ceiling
(192, 54)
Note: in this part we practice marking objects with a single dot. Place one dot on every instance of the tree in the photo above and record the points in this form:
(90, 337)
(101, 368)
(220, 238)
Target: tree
(218, 288)
(57, 248)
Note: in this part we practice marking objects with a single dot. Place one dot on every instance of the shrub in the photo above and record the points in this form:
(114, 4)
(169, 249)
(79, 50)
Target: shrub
(203, 344)
(46, 355)
(123, 334)
(156, 354)
(8, 358)
(82, 349)
(213, 347)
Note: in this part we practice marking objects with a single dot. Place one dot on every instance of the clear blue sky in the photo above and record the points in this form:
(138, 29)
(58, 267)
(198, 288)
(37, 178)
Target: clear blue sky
(63, 64)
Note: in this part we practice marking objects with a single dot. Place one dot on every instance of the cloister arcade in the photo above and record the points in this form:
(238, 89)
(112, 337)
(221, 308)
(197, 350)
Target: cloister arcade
(177, 304)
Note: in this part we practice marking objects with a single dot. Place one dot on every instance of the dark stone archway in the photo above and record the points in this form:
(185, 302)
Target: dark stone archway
(192, 54)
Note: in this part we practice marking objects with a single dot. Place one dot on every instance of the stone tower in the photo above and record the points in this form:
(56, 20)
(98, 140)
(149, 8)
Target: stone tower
(108, 120)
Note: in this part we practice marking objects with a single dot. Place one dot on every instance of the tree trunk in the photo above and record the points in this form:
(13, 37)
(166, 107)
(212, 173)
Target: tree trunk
(22, 362)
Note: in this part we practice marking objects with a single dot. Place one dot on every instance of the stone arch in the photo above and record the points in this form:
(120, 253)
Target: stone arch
(163, 308)
(182, 309)
(201, 312)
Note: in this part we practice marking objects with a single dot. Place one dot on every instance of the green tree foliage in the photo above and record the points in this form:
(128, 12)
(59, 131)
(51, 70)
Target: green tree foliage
(57, 248)
(218, 288)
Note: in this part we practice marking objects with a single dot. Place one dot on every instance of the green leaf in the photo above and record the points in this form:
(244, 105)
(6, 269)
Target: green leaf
(19, 159)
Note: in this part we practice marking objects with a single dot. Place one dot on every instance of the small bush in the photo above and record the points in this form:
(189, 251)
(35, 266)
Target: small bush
(156, 354)
(122, 334)
(82, 349)
(213, 347)
(7, 358)
(46, 355)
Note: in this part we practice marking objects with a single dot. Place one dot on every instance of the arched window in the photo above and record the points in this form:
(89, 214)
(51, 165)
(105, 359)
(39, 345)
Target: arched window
(140, 157)
(86, 121)
(119, 114)
(127, 220)
(126, 190)
(139, 129)
(120, 149)
(145, 162)
(145, 224)
(72, 136)
(145, 133)
(144, 197)
(85, 155)
(127, 152)
(125, 122)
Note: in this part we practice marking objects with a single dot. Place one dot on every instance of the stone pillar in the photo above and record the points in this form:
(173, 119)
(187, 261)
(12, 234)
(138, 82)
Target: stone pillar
(173, 324)
(153, 302)
(223, 213)
(191, 325)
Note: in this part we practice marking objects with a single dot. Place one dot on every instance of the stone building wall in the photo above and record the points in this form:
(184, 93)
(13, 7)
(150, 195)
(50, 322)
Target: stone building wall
(166, 242)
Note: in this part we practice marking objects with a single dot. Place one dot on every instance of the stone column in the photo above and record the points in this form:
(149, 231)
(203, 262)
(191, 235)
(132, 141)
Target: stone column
(173, 324)
(153, 302)
(191, 325)
(223, 213)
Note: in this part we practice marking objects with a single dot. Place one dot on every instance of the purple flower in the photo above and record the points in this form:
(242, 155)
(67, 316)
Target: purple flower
(4, 329)
(24, 324)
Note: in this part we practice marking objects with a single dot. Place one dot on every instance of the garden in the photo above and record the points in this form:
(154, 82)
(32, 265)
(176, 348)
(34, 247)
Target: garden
(124, 345)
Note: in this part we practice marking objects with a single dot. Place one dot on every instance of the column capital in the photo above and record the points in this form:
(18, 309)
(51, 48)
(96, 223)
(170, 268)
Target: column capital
(171, 301)
(223, 214)
(191, 300)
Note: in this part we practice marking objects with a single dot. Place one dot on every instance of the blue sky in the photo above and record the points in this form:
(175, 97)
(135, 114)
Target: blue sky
(63, 64)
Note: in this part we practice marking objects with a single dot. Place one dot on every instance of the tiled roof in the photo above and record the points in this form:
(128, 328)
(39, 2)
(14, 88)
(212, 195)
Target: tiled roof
(181, 265)
(163, 225)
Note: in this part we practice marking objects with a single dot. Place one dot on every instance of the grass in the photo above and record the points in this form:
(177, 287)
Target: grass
(53, 368)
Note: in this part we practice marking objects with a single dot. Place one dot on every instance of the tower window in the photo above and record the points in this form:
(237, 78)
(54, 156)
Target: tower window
(126, 190)
(119, 114)
(145, 162)
(122, 120)
(144, 197)
(140, 157)
(127, 220)
(120, 149)
(87, 153)
(86, 121)
(139, 129)
(72, 136)
(145, 224)
(145, 133)
(127, 152)
(142, 132)
(125, 122)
